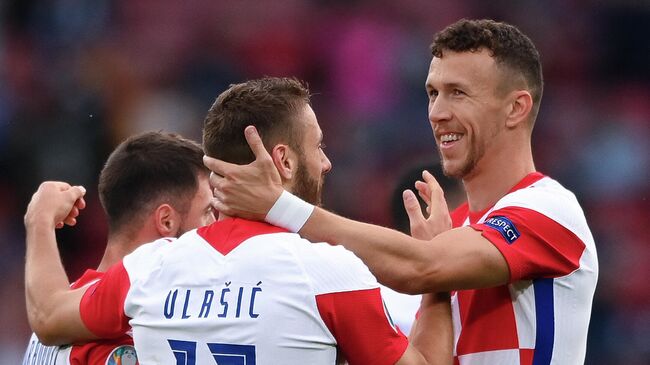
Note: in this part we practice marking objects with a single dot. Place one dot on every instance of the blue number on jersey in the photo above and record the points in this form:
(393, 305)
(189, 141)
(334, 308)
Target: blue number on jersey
(184, 351)
(223, 353)
(227, 354)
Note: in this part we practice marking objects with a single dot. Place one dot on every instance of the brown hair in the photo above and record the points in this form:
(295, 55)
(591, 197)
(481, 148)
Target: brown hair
(269, 104)
(147, 170)
(512, 50)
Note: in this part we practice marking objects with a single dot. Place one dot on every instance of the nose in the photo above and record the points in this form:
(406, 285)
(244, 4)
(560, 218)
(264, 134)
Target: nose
(438, 110)
(326, 163)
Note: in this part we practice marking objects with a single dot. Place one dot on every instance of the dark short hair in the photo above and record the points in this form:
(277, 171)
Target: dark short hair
(270, 104)
(147, 170)
(511, 49)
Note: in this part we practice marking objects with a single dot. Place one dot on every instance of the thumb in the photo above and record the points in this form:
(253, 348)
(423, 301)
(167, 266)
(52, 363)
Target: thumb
(255, 143)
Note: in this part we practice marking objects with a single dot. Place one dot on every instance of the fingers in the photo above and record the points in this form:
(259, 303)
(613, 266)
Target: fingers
(215, 180)
(436, 194)
(423, 191)
(255, 142)
(56, 203)
(219, 167)
(412, 207)
(77, 192)
(219, 207)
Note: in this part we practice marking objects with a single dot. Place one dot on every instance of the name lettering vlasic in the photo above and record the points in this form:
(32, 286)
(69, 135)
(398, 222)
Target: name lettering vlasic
(200, 303)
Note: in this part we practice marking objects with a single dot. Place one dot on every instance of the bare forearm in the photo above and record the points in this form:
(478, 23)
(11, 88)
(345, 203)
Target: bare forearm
(45, 277)
(456, 259)
(432, 336)
(397, 260)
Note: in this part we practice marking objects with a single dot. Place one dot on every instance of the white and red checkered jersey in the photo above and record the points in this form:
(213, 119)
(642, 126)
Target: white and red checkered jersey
(541, 317)
(115, 351)
(243, 292)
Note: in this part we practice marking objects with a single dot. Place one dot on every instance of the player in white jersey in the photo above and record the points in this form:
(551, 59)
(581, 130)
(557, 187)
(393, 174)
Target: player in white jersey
(243, 292)
(153, 185)
(523, 266)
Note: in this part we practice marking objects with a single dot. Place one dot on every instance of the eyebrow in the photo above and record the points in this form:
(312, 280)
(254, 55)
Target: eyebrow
(447, 85)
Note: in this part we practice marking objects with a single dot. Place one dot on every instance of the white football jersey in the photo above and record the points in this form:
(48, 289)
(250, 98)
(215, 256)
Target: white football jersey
(542, 316)
(243, 292)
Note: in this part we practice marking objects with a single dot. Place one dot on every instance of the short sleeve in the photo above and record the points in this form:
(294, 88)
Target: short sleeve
(362, 326)
(349, 302)
(102, 305)
(533, 244)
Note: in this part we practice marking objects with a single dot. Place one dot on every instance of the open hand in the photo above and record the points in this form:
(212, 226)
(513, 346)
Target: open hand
(246, 191)
(56, 203)
(438, 220)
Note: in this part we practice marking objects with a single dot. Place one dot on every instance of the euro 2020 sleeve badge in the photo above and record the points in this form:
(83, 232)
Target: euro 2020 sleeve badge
(123, 355)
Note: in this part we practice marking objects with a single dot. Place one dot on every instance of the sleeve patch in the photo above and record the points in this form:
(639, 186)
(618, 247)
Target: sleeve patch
(504, 226)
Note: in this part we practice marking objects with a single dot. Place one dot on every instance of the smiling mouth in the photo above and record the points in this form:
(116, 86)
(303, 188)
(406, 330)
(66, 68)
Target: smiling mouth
(449, 138)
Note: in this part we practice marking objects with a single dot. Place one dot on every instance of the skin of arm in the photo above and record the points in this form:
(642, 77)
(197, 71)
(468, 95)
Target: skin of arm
(431, 338)
(457, 259)
(52, 308)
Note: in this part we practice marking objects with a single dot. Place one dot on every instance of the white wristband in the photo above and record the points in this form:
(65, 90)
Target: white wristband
(289, 212)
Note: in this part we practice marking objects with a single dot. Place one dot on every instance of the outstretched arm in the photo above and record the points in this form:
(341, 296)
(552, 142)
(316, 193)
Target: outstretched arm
(457, 259)
(52, 308)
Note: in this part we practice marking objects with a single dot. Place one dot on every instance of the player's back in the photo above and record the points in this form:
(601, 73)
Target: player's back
(238, 290)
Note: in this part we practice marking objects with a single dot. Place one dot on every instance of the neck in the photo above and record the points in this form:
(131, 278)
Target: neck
(491, 178)
(122, 244)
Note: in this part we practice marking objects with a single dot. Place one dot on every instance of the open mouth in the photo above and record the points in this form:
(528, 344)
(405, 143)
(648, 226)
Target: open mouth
(449, 138)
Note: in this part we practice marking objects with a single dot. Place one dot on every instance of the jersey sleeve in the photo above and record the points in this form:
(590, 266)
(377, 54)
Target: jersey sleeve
(102, 305)
(362, 326)
(349, 302)
(533, 244)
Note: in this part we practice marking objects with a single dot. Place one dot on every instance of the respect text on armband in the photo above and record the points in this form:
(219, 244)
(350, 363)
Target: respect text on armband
(505, 226)
(228, 301)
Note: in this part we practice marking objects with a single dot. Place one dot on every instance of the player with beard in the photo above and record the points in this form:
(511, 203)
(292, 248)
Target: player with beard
(521, 261)
(239, 291)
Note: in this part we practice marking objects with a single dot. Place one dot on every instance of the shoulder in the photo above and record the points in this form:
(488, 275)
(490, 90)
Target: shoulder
(143, 258)
(547, 197)
(334, 268)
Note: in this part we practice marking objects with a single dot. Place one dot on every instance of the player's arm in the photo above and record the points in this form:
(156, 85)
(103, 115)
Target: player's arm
(456, 259)
(431, 338)
(52, 308)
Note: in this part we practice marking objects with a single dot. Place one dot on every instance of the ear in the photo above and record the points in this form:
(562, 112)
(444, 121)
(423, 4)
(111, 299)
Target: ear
(167, 220)
(520, 106)
(284, 160)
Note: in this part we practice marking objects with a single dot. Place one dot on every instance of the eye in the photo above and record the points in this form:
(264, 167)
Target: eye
(457, 92)
(432, 93)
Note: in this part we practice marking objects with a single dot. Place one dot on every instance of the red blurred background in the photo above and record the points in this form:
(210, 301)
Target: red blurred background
(77, 77)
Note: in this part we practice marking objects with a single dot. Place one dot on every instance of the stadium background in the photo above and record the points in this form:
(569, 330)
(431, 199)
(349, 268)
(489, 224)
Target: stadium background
(76, 77)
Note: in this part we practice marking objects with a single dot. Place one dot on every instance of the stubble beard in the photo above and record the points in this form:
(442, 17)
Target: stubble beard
(468, 165)
(307, 188)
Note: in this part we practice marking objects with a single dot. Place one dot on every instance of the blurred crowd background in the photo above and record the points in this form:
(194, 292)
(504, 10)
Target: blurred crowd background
(77, 77)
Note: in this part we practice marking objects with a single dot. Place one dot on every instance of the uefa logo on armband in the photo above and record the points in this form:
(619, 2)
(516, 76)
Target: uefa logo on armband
(123, 355)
